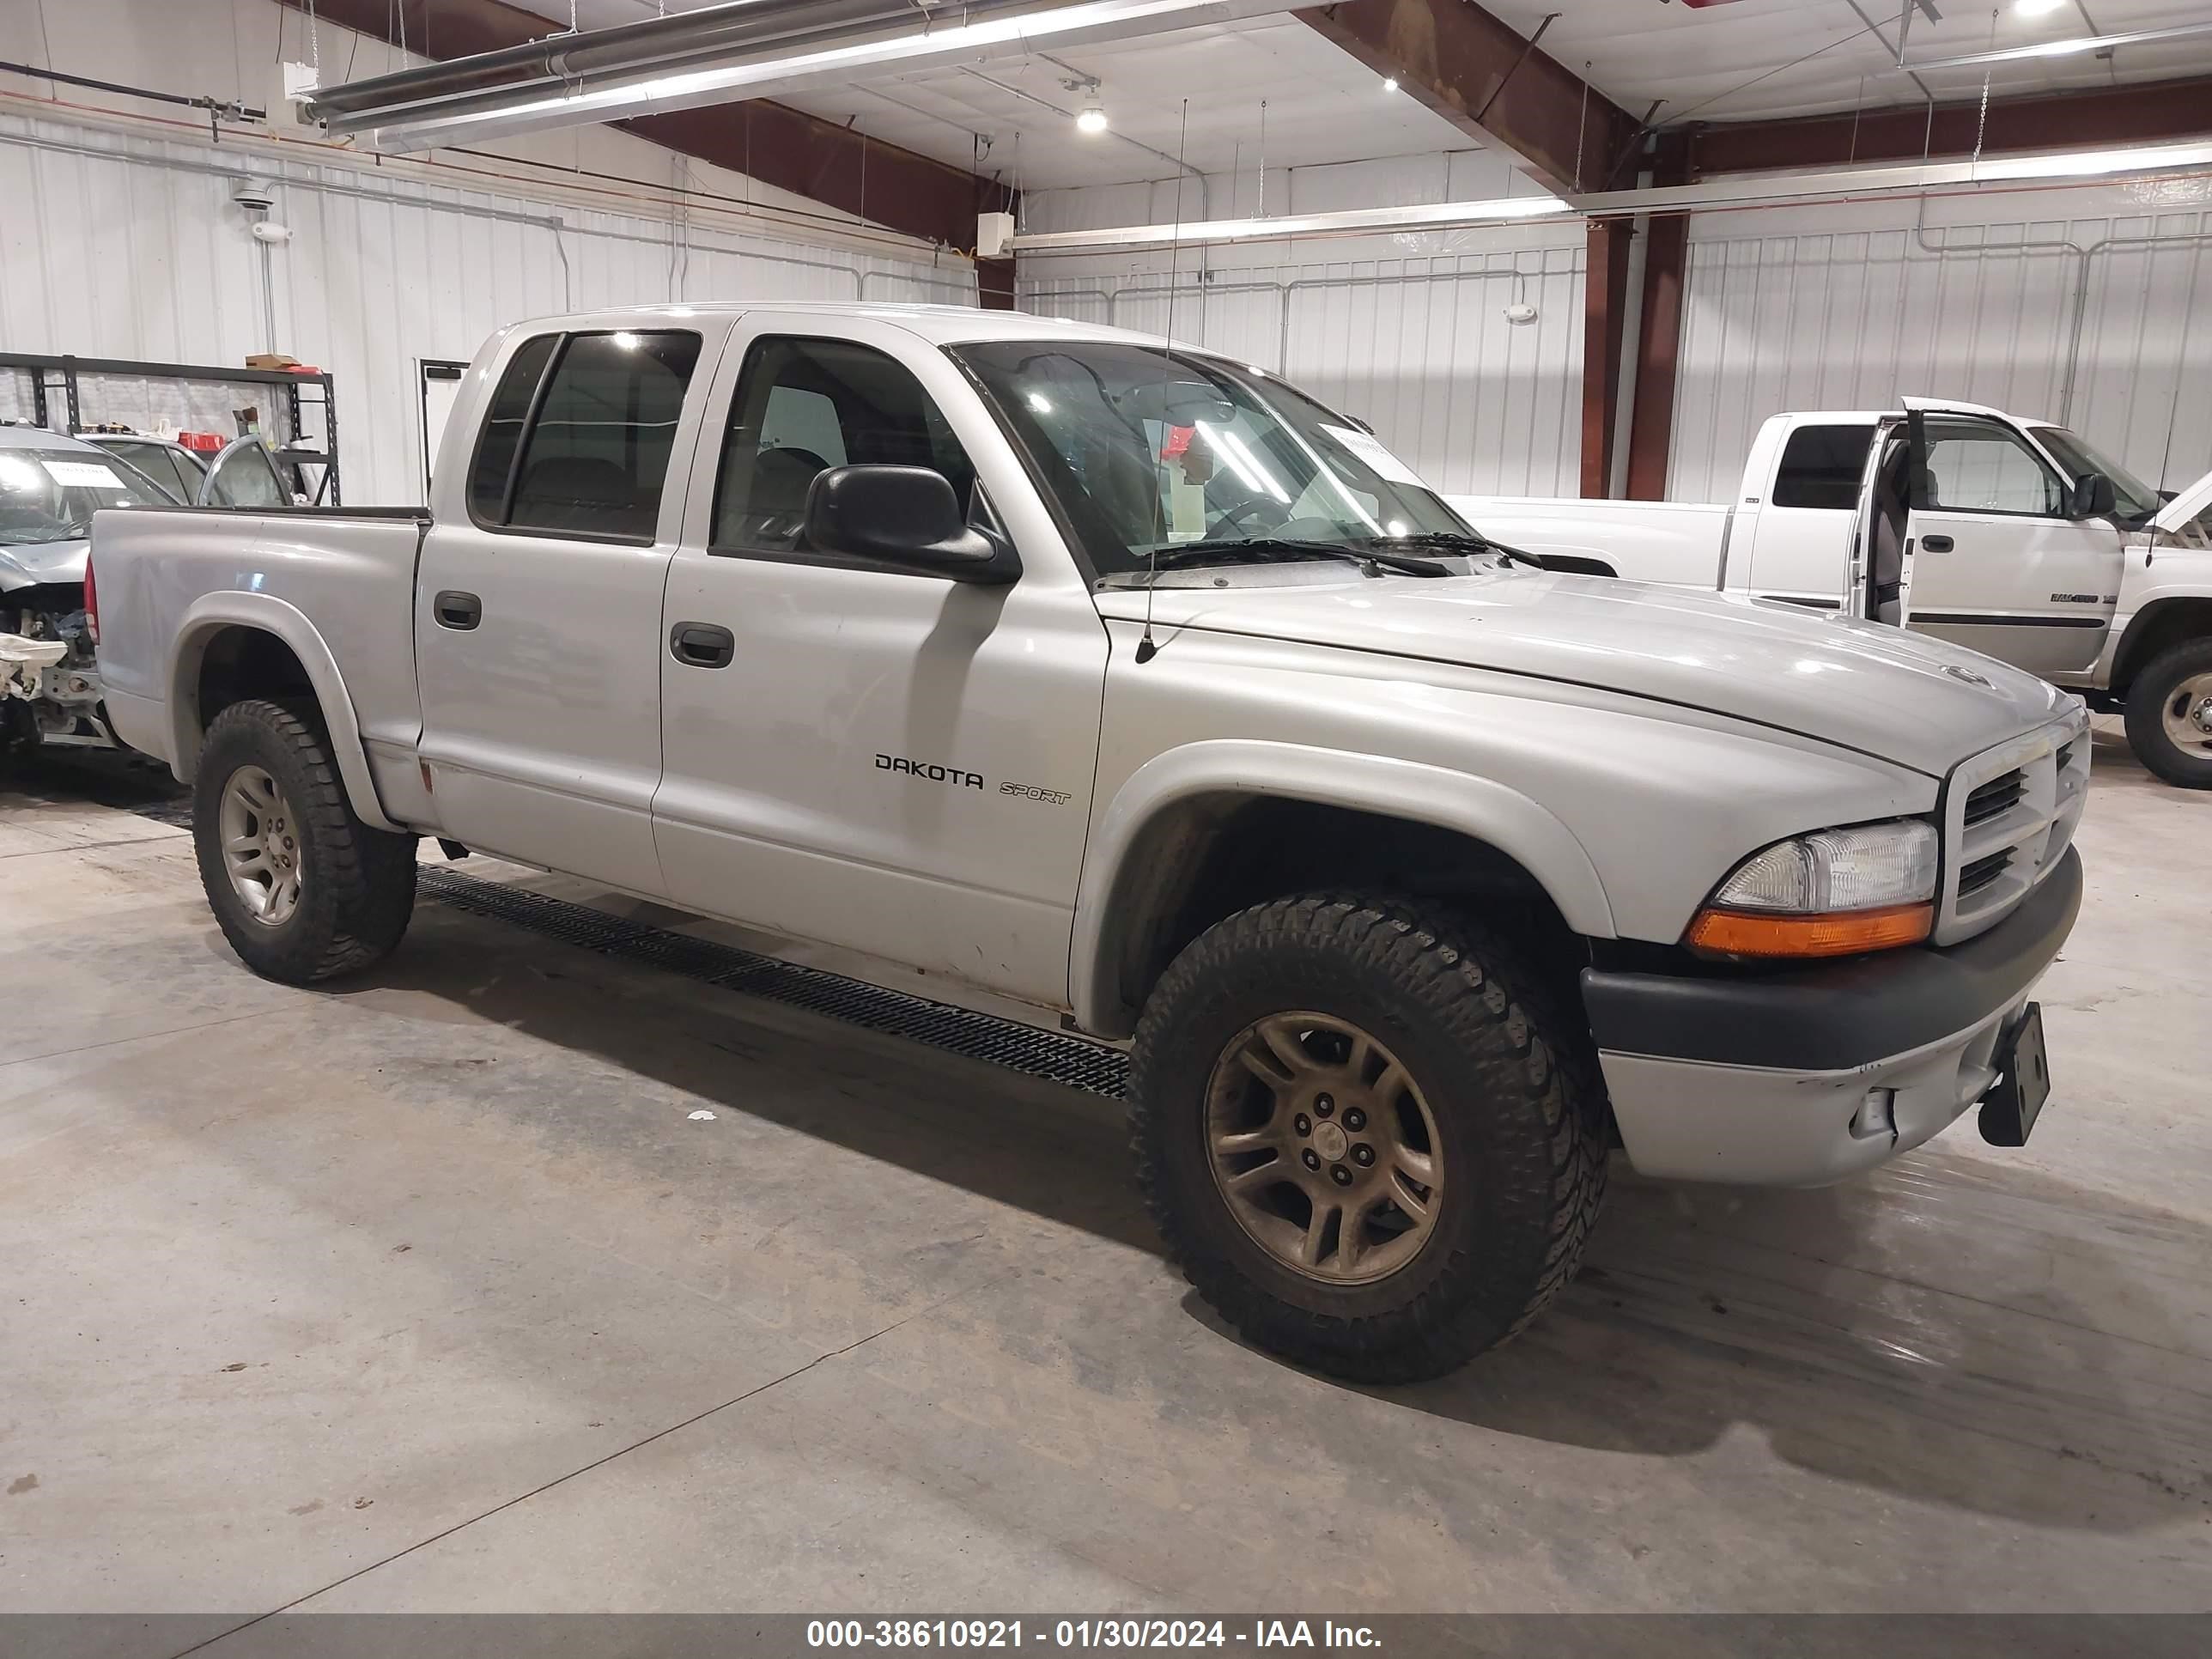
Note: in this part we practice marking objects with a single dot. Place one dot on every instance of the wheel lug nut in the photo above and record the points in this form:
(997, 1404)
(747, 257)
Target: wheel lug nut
(1354, 1118)
(1323, 1105)
(1339, 1175)
(1310, 1158)
(1362, 1155)
(1304, 1124)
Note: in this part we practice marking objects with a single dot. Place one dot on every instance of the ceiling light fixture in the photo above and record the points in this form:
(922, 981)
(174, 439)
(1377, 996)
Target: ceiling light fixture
(1092, 118)
(719, 52)
(1390, 83)
(2069, 48)
(1440, 215)
(2036, 7)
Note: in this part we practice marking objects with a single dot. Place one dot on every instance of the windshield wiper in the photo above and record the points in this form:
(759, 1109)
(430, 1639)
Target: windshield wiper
(1285, 549)
(1459, 541)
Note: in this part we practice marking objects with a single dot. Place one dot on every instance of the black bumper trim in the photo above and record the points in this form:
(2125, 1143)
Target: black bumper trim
(1831, 1019)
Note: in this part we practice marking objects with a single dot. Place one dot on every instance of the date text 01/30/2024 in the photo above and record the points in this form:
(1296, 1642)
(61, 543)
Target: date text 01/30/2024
(1087, 1633)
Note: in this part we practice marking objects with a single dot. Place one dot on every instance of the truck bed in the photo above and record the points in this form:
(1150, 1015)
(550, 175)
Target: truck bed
(171, 579)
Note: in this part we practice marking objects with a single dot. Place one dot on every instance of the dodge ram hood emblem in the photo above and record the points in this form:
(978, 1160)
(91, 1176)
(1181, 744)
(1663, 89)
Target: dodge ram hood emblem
(1967, 675)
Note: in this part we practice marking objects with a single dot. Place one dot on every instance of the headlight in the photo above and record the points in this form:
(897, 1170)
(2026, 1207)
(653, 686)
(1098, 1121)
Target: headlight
(1833, 893)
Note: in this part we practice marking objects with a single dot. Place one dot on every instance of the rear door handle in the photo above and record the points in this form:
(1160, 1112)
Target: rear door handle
(701, 645)
(1936, 543)
(456, 610)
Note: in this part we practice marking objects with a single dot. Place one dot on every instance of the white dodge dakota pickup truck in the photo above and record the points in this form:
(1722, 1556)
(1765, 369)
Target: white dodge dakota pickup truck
(1131, 683)
(2012, 536)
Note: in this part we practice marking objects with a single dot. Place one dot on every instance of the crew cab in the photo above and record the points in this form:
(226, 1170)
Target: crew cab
(1131, 682)
(2012, 536)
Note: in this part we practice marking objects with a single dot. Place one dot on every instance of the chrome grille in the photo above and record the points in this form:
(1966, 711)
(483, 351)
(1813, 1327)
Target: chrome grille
(2009, 816)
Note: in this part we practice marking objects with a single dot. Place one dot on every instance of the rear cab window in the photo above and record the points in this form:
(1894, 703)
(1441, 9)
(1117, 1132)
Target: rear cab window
(577, 437)
(1821, 467)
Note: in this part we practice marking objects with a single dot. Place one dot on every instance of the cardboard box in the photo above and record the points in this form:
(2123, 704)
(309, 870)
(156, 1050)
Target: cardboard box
(271, 360)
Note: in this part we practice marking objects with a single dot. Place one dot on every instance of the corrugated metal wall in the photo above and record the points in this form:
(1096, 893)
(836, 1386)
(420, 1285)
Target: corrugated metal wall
(1420, 348)
(1407, 331)
(136, 250)
(2103, 320)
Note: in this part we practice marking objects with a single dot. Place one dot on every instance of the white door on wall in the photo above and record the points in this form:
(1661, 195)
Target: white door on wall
(440, 379)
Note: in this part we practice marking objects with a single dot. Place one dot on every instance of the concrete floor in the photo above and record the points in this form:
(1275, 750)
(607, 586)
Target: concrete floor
(427, 1293)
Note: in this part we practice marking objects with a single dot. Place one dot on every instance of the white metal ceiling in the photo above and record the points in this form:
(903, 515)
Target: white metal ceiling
(1322, 104)
(1751, 58)
(1745, 59)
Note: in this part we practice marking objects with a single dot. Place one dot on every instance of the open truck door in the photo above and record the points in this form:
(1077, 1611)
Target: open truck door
(2007, 555)
(1968, 532)
(1879, 584)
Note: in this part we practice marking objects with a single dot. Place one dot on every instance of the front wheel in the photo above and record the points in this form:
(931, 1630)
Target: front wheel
(1369, 1140)
(2169, 714)
(303, 890)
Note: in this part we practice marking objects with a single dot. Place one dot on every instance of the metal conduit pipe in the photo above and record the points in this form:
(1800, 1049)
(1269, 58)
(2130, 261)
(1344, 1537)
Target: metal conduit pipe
(655, 42)
(559, 228)
(1290, 289)
(1285, 291)
(2083, 256)
(326, 187)
(942, 285)
(1037, 297)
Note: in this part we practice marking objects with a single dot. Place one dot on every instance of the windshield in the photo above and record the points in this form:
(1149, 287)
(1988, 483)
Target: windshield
(1151, 452)
(51, 495)
(2133, 499)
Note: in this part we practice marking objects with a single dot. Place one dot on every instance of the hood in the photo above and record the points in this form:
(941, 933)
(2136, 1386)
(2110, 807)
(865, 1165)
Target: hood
(26, 564)
(1885, 692)
(2186, 505)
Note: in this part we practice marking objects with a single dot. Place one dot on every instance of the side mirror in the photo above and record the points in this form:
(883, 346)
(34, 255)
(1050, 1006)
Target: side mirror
(906, 518)
(2094, 496)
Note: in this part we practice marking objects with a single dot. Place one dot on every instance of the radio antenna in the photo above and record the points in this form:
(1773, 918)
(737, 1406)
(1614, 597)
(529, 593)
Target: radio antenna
(1146, 650)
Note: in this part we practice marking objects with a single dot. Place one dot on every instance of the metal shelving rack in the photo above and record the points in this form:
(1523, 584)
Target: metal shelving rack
(58, 375)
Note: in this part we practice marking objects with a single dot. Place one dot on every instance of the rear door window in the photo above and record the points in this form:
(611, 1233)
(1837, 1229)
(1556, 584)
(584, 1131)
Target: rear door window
(493, 471)
(596, 454)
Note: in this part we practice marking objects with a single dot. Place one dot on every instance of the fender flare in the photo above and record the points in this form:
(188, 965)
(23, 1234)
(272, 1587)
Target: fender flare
(212, 612)
(1475, 806)
(2124, 646)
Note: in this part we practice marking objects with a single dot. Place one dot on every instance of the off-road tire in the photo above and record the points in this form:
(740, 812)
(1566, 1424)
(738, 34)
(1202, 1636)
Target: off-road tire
(2154, 683)
(1510, 1077)
(357, 884)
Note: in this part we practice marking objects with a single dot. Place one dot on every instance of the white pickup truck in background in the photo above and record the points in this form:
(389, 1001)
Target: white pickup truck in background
(2012, 536)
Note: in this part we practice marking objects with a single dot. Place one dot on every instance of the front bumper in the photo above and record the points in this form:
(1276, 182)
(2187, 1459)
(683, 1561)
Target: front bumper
(1796, 1079)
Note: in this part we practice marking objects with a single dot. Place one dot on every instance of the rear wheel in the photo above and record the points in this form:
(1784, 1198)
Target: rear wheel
(303, 890)
(1369, 1140)
(2169, 714)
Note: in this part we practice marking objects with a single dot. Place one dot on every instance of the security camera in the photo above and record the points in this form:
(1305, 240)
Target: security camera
(254, 195)
(270, 231)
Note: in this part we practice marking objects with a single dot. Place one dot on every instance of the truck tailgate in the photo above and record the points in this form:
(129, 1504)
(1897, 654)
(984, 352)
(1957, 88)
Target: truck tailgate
(170, 578)
(1645, 541)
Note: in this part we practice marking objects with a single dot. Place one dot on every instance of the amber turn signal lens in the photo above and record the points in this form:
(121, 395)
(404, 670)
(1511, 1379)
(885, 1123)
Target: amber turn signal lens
(1747, 933)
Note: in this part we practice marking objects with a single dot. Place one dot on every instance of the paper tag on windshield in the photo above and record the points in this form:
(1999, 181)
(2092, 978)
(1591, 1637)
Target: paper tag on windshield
(1369, 449)
(83, 475)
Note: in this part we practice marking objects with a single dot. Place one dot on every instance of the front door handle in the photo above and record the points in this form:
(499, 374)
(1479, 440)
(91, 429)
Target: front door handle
(456, 610)
(1936, 543)
(701, 645)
